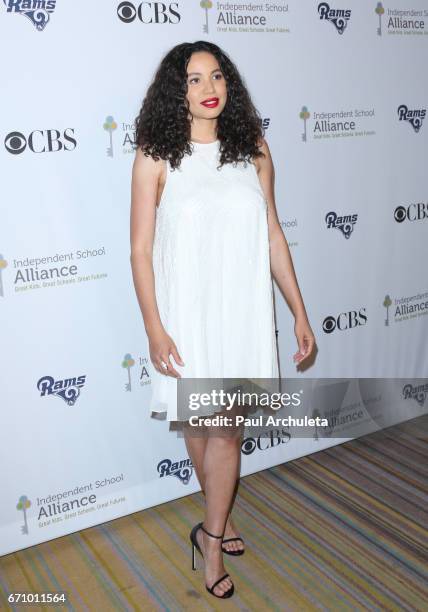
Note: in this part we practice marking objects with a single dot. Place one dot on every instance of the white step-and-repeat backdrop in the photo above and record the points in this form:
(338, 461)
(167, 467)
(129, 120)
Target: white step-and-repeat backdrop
(342, 89)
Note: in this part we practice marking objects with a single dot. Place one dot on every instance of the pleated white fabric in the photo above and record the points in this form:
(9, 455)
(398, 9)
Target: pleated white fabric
(212, 274)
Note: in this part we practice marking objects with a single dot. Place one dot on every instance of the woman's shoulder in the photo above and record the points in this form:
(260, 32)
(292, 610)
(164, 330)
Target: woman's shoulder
(146, 165)
(265, 159)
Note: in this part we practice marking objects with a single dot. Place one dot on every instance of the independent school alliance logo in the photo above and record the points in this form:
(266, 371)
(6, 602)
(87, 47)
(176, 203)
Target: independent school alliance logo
(338, 17)
(402, 21)
(3, 265)
(414, 117)
(37, 11)
(345, 224)
(182, 470)
(239, 18)
(338, 124)
(418, 393)
(143, 374)
(406, 307)
(67, 389)
(54, 270)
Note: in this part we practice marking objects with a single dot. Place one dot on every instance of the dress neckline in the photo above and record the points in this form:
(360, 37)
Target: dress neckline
(204, 144)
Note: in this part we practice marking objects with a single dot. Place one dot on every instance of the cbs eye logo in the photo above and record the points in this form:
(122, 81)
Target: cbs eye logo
(15, 143)
(148, 12)
(40, 141)
(248, 446)
(413, 212)
(345, 321)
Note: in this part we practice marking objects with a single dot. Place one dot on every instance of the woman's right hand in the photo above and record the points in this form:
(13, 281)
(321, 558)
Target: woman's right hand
(161, 346)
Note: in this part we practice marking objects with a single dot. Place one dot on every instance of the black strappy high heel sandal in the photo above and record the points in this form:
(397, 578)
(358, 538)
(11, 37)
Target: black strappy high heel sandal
(234, 553)
(195, 546)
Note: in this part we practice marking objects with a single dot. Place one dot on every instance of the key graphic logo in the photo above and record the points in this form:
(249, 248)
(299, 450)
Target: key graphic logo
(3, 265)
(206, 5)
(304, 115)
(23, 504)
(379, 10)
(387, 302)
(128, 363)
(110, 126)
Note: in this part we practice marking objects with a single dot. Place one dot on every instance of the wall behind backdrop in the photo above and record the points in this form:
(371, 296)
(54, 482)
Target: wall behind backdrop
(342, 89)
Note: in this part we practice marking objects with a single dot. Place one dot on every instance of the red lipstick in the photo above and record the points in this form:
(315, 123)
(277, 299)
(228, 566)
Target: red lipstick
(210, 102)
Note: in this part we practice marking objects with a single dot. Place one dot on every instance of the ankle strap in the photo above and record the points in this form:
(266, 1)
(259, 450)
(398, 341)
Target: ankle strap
(211, 534)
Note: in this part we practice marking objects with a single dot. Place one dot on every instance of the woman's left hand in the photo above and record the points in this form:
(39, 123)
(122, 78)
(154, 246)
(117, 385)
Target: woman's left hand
(305, 339)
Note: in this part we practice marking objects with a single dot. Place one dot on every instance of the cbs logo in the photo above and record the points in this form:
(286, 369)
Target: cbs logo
(148, 12)
(40, 141)
(414, 212)
(346, 320)
(263, 442)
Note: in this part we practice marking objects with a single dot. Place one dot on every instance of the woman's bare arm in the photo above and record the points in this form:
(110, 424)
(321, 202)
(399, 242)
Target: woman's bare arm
(281, 262)
(144, 188)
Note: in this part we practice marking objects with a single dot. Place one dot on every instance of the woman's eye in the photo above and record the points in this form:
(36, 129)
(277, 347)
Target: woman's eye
(216, 76)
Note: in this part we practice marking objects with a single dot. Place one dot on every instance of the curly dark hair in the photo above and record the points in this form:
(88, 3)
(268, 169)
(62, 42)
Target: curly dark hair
(163, 127)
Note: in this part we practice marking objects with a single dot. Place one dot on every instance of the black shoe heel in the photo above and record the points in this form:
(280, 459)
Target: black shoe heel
(195, 546)
(193, 557)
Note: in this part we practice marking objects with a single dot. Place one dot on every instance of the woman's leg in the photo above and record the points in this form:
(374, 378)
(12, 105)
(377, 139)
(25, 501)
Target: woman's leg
(196, 447)
(219, 473)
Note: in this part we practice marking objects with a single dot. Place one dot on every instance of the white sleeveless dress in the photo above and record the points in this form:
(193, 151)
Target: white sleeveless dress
(213, 282)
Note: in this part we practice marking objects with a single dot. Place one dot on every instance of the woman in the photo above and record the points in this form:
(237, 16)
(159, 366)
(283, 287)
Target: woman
(205, 238)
